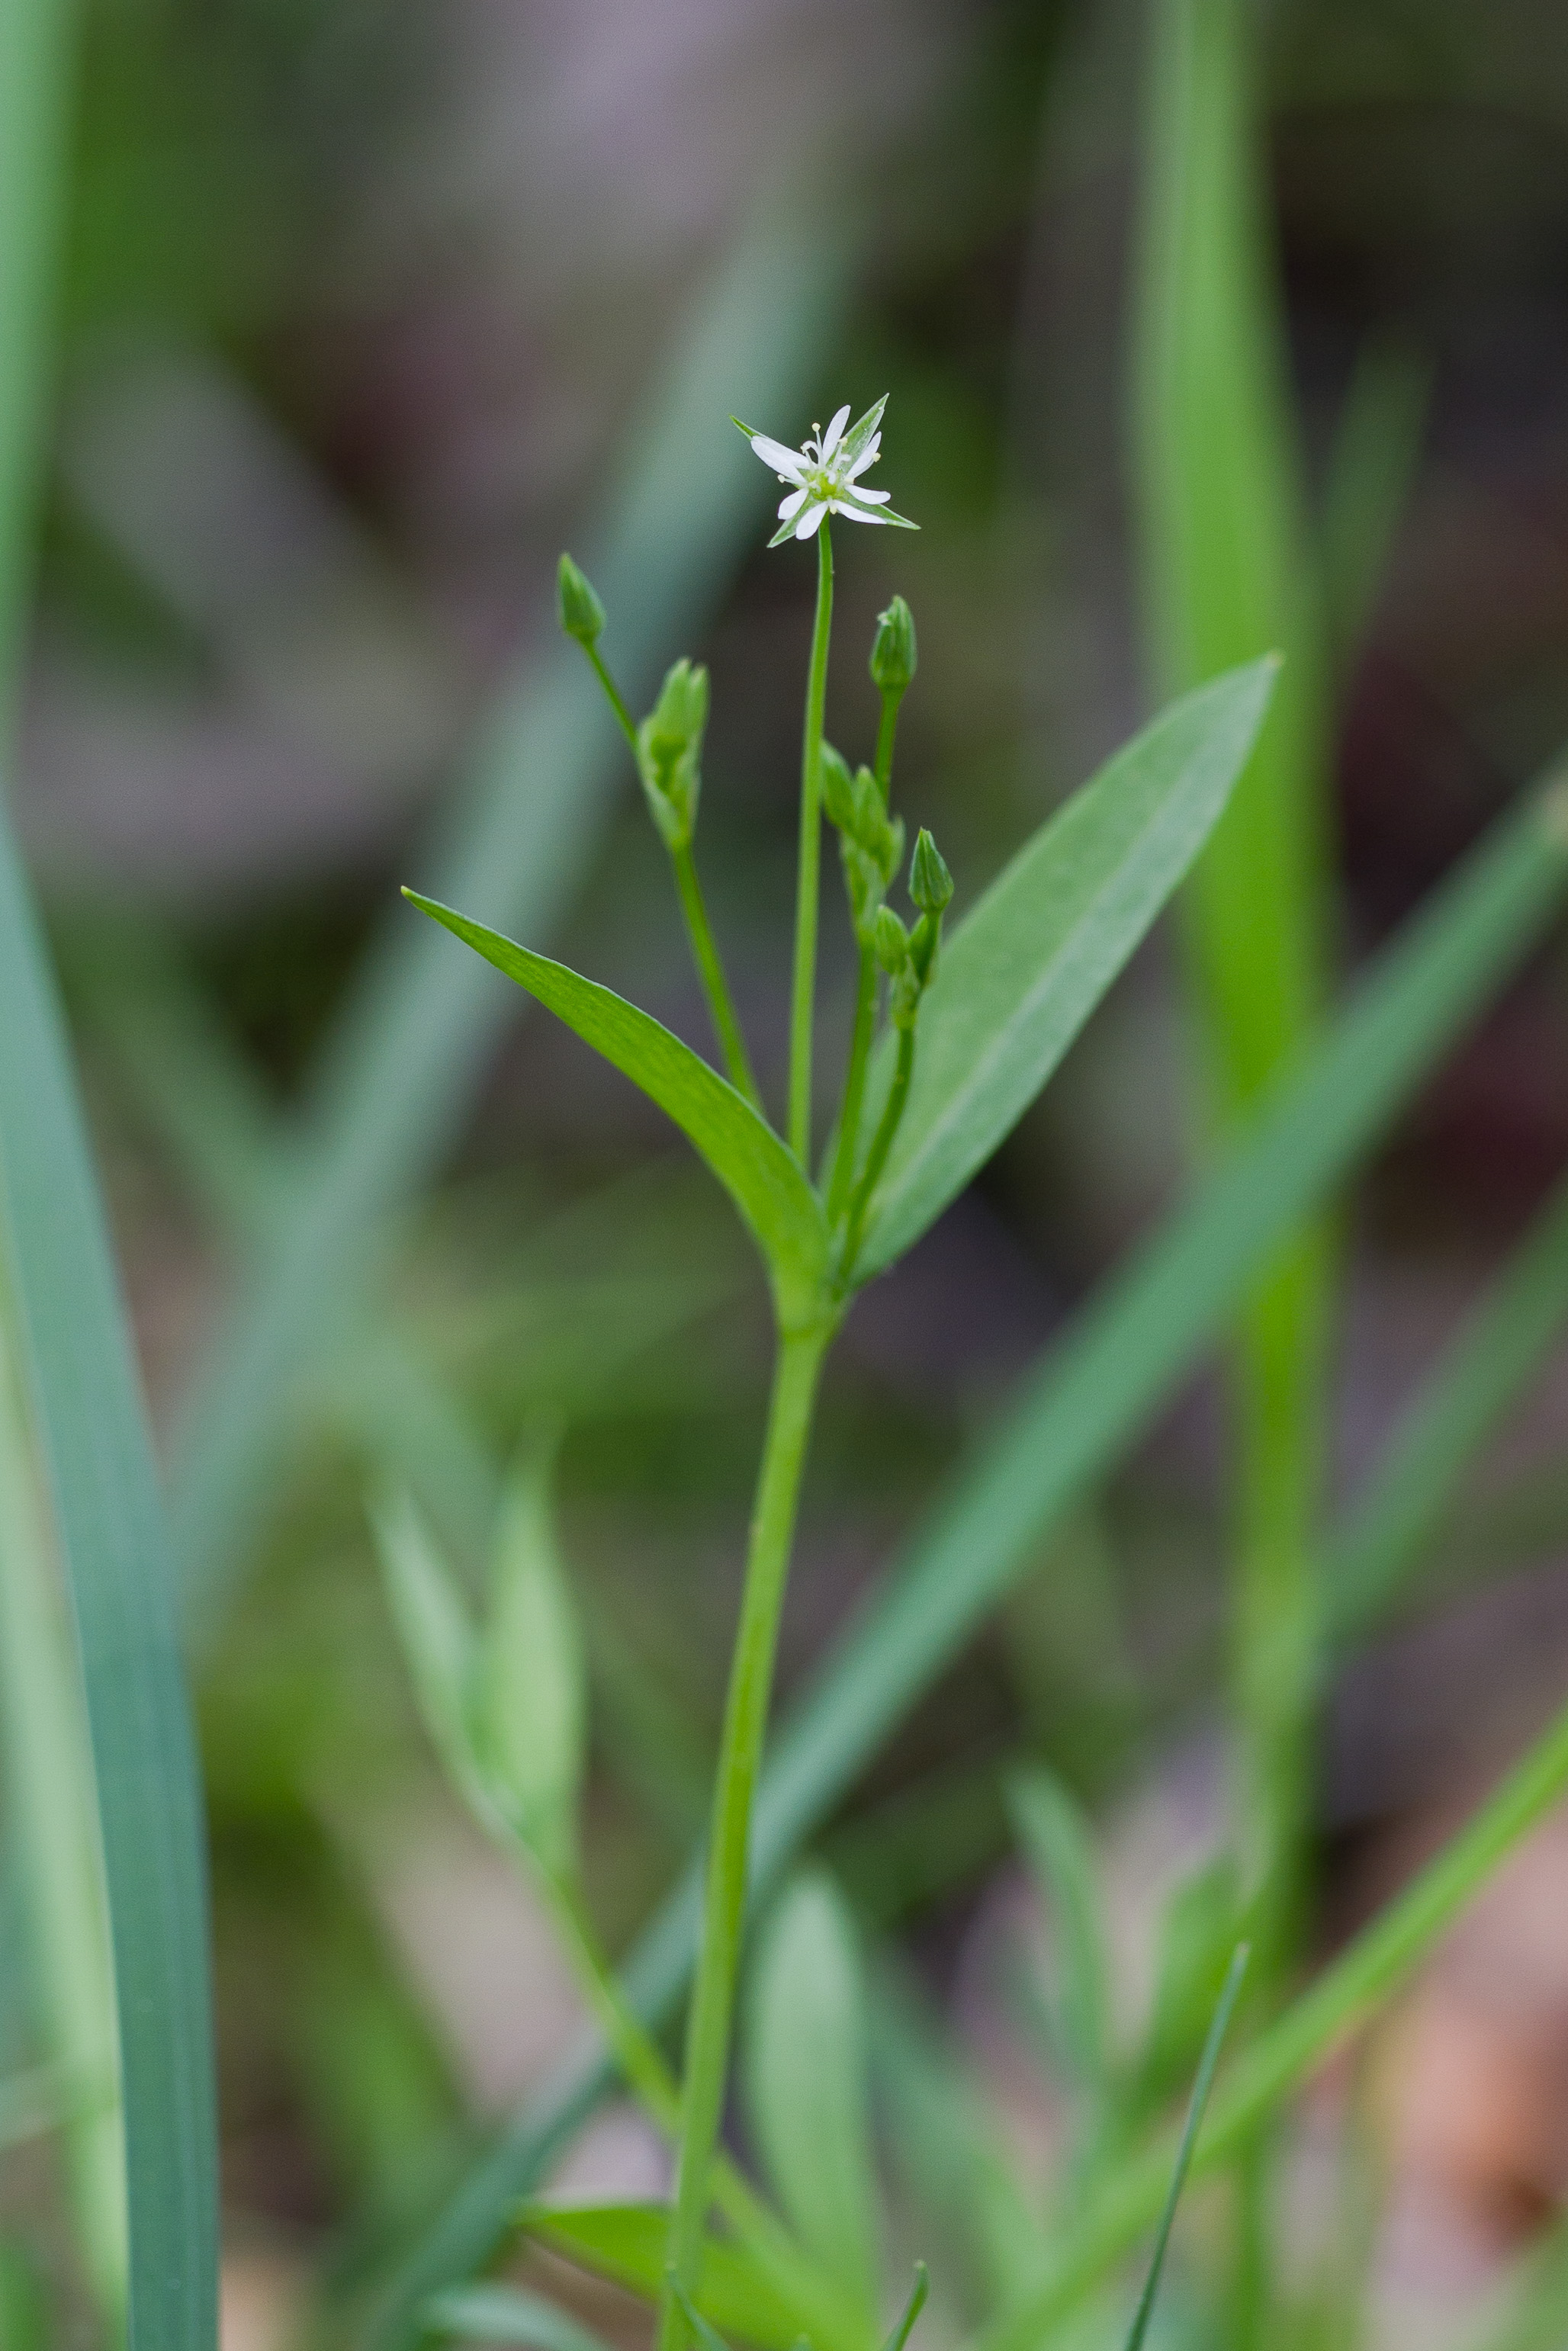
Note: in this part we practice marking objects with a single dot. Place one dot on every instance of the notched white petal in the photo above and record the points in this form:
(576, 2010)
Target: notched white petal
(835, 432)
(809, 520)
(855, 514)
(794, 502)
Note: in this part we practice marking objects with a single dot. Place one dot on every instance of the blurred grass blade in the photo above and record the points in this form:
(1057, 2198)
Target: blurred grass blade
(1288, 2053)
(87, 1409)
(760, 1174)
(811, 2121)
(1092, 1395)
(530, 1700)
(54, 1830)
(1371, 468)
(628, 2243)
(1026, 968)
(410, 1045)
(1227, 576)
(1201, 2087)
(76, 1365)
(1058, 1850)
(1197, 1937)
(1502, 1345)
(508, 2313)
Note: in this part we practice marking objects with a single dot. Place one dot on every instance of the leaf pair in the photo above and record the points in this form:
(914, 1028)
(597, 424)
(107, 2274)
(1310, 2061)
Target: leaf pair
(1018, 979)
(505, 1706)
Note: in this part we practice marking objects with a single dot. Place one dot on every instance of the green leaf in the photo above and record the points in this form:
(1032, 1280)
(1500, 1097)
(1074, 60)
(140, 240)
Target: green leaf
(755, 1169)
(1023, 972)
(903, 2325)
(630, 2242)
(79, 1369)
(435, 1630)
(1372, 464)
(1092, 1393)
(508, 2313)
(811, 2122)
(1059, 1848)
(529, 1707)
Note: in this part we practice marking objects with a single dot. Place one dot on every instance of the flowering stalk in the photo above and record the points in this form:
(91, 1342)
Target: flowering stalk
(808, 887)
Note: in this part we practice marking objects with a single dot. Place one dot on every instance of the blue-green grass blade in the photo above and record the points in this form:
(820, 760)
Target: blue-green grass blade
(1227, 573)
(92, 1437)
(410, 1049)
(1091, 1396)
(1502, 1346)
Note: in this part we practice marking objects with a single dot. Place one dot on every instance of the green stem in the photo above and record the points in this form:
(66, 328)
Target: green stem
(887, 727)
(881, 1144)
(624, 719)
(807, 885)
(798, 1366)
(854, 1084)
(710, 970)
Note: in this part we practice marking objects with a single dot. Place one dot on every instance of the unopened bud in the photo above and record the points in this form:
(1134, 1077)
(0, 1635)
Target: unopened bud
(579, 609)
(680, 715)
(893, 654)
(891, 942)
(669, 752)
(838, 789)
(930, 883)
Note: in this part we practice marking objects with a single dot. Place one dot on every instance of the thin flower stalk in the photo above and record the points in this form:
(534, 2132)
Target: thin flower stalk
(808, 887)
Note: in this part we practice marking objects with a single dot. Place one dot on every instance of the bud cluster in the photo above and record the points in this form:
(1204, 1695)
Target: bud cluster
(909, 957)
(870, 842)
(669, 752)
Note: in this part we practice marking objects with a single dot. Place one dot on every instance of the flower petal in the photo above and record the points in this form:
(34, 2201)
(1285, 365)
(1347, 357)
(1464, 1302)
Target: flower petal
(856, 513)
(872, 497)
(795, 501)
(868, 457)
(788, 464)
(810, 520)
(835, 432)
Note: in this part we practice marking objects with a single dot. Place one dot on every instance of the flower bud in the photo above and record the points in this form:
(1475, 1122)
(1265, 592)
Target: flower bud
(894, 655)
(891, 941)
(930, 883)
(838, 789)
(669, 752)
(578, 609)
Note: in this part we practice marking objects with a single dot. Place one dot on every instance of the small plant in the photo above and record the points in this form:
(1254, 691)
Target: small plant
(970, 1029)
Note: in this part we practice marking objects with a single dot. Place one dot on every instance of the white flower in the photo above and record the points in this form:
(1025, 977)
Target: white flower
(824, 474)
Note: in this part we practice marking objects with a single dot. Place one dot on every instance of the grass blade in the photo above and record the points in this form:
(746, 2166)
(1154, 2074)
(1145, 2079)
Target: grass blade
(51, 1820)
(87, 1410)
(1504, 1342)
(1201, 2088)
(411, 1046)
(1092, 1395)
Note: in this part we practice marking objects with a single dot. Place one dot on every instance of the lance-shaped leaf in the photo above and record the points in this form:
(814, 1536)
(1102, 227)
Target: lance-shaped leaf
(1023, 972)
(630, 2243)
(811, 2122)
(755, 1168)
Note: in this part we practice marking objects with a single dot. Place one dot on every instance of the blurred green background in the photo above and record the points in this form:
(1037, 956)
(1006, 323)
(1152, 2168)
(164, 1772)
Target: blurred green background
(368, 311)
